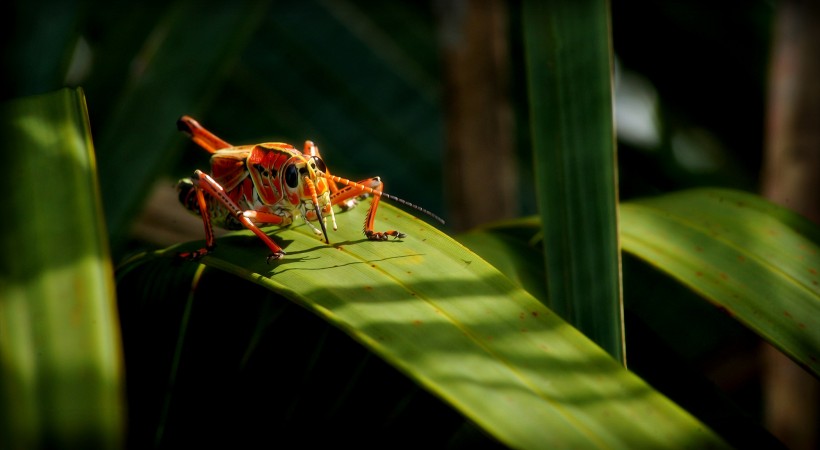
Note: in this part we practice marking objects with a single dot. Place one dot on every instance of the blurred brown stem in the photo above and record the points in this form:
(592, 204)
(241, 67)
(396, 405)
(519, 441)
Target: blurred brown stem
(791, 177)
(480, 165)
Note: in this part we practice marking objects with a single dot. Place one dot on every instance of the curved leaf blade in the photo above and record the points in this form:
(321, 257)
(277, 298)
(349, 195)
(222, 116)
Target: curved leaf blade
(458, 327)
(740, 252)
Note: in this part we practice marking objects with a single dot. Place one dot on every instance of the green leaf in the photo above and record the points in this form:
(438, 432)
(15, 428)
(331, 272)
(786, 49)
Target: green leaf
(569, 65)
(514, 248)
(458, 327)
(752, 259)
(60, 358)
(742, 253)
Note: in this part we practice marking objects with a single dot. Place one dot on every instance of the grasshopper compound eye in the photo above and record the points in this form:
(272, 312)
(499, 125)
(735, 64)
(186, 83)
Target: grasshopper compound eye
(291, 176)
(319, 164)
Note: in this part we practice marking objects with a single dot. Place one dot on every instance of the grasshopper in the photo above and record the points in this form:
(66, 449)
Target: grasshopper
(272, 183)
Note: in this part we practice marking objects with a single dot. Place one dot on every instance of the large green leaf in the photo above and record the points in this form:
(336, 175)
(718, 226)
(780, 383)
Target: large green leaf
(462, 330)
(60, 359)
(756, 261)
(569, 64)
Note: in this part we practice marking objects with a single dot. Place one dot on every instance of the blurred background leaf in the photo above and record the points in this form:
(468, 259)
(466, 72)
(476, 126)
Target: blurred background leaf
(61, 380)
(133, 150)
(754, 267)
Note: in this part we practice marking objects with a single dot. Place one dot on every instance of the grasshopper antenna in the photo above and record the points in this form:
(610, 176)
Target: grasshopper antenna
(369, 190)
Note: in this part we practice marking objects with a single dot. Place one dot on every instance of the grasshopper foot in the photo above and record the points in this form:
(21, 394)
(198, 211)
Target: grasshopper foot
(193, 255)
(383, 235)
(275, 256)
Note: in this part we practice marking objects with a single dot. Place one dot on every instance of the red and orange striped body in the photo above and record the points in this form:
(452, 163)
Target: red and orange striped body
(270, 184)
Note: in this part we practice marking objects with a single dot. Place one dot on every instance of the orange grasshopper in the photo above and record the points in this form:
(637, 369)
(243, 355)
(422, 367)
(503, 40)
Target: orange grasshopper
(271, 184)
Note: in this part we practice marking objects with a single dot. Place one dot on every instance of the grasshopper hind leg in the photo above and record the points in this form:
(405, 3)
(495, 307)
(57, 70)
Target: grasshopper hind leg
(204, 184)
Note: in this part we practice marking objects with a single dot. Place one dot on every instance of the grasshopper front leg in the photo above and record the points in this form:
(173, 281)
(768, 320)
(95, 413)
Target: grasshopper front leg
(370, 186)
(203, 184)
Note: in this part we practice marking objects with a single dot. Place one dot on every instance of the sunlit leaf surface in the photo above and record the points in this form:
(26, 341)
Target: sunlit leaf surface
(461, 329)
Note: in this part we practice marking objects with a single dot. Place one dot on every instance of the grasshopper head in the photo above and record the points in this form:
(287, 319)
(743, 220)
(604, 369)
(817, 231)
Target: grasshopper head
(306, 188)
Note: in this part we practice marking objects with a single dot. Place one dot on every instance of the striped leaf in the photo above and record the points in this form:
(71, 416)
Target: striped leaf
(569, 69)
